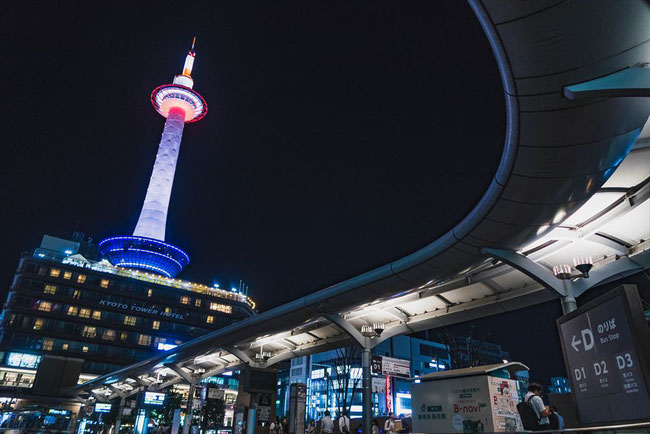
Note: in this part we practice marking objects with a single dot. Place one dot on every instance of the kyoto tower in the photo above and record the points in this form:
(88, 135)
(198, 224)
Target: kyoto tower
(146, 249)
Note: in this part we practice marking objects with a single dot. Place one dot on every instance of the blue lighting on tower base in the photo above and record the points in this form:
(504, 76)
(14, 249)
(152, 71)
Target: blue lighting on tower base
(142, 253)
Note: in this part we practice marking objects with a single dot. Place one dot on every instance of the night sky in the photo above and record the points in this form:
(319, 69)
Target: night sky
(339, 136)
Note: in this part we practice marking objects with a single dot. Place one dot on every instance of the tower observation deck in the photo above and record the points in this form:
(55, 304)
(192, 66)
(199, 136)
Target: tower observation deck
(146, 249)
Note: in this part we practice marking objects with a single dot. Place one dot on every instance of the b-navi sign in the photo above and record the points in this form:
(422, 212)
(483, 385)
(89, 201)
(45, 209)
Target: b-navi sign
(605, 357)
(140, 309)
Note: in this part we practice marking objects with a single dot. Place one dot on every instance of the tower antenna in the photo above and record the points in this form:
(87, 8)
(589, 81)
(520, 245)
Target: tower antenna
(193, 42)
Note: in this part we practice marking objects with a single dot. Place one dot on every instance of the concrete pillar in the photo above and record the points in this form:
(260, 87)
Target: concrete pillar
(118, 418)
(188, 411)
(366, 391)
(569, 304)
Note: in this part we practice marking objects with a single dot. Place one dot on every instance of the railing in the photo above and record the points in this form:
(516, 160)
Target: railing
(106, 267)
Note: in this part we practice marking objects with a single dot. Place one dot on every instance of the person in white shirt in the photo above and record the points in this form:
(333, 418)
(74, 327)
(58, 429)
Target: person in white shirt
(389, 425)
(327, 424)
(534, 396)
(344, 423)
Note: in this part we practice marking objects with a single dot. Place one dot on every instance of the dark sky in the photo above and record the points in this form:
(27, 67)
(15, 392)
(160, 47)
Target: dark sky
(340, 135)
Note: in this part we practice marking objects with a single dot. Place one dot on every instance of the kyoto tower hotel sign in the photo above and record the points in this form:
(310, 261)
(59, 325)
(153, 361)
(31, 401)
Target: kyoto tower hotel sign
(146, 249)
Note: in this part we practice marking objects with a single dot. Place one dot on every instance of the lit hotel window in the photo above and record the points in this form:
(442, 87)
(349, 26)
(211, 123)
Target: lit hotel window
(64, 347)
(197, 302)
(38, 324)
(45, 306)
(97, 315)
(185, 300)
(109, 335)
(104, 283)
(156, 325)
(221, 307)
(50, 289)
(123, 336)
(48, 344)
(144, 340)
(149, 292)
(55, 272)
(84, 313)
(81, 278)
(209, 319)
(67, 275)
(84, 349)
(72, 310)
(129, 320)
(168, 309)
(76, 293)
(89, 332)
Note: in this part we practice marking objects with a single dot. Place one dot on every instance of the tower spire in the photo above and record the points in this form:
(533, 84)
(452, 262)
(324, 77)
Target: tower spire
(189, 61)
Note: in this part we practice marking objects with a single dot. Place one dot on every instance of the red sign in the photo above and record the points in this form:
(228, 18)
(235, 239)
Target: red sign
(389, 395)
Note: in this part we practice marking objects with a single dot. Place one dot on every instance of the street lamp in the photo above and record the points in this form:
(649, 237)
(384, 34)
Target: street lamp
(373, 331)
(581, 263)
(367, 331)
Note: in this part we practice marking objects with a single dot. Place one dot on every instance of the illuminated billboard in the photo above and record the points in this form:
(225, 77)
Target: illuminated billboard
(103, 408)
(154, 398)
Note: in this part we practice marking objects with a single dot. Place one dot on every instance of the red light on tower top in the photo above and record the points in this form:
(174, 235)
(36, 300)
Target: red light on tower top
(180, 95)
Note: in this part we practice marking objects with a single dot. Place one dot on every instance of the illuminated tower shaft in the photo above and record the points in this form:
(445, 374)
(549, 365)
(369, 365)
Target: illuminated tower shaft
(153, 217)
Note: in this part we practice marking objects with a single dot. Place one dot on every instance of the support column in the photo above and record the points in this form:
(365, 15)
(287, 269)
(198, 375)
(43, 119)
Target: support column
(366, 397)
(118, 419)
(188, 411)
(569, 304)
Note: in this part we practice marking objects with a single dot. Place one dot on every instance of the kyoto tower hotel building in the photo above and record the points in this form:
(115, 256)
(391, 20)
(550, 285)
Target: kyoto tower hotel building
(120, 302)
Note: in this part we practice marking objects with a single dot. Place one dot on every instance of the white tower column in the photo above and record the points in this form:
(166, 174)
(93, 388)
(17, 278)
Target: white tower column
(153, 216)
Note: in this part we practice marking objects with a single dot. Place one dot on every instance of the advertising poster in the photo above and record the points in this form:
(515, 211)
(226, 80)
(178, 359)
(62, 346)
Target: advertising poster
(505, 397)
(379, 385)
(454, 405)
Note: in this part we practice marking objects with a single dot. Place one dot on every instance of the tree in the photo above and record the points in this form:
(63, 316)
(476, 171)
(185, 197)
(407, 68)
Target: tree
(464, 351)
(213, 412)
(344, 379)
(165, 415)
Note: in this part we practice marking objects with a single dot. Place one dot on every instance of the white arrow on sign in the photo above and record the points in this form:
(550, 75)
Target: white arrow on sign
(575, 343)
(587, 340)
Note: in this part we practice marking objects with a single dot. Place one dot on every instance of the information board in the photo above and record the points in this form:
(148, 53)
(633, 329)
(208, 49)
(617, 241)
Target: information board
(380, 365)
(605, 359)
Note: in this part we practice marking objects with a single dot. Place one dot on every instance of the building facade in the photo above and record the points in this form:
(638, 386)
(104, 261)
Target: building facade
(324, 373)
(65, 304)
